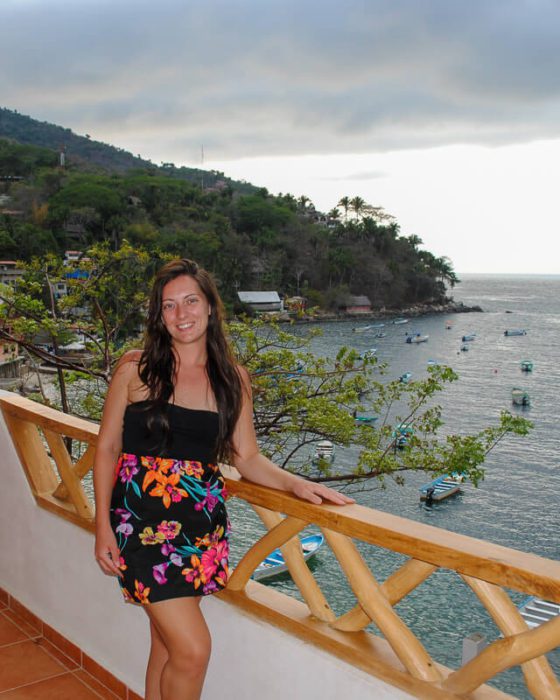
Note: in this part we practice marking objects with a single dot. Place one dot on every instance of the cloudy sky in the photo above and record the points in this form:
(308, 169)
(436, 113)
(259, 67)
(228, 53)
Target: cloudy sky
(445, 112)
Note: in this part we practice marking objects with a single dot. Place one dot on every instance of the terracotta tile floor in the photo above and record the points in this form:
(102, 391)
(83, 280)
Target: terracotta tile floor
(31, 668)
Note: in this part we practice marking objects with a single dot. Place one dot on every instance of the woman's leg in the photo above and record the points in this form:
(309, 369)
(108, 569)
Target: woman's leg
(183, 630)
(156, 662)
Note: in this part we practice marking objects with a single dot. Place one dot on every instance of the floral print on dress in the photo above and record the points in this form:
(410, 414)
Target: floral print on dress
(171, 526)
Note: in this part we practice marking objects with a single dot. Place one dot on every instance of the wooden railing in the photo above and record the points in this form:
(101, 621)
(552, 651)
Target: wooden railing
(38, 433)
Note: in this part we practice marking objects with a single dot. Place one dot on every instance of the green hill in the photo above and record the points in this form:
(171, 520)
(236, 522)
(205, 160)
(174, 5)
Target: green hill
(87, 154)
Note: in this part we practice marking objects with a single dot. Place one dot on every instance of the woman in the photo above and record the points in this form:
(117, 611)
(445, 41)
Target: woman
(173, 411)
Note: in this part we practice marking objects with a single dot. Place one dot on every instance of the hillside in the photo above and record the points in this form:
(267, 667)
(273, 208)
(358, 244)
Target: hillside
(82, 151)
(248, 238)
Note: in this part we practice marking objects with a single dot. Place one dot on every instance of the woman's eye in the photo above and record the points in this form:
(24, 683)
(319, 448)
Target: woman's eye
(167, 307)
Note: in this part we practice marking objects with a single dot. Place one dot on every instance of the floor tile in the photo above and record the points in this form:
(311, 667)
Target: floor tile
(10, 633)
(65, 687)
(60, 642)
(25, 614)
(53, 651)
(24, 626)
(94, 684)
(101, 674)
(25, 662)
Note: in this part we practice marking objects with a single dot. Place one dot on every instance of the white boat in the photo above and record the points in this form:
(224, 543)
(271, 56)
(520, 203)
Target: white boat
(400, 321)
(515, 331)
(536, 611)
(405, 377)
(324, 451)
(274, 564)
(520, 397)
(441, 488)
(368, 353)
(418, 338)
(362, 329)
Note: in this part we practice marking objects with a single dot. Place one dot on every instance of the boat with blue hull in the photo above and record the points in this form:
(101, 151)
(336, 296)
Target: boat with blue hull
(515, 331)
(275, 564)
(440, 488)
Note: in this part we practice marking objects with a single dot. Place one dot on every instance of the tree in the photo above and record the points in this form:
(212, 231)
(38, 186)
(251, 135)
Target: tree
(344, 202)
(299, 398)
(358, 204)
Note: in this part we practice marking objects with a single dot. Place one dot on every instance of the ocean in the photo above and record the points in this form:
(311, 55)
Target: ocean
(517, 503)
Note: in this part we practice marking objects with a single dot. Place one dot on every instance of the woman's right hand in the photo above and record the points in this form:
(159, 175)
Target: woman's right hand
(107, 554)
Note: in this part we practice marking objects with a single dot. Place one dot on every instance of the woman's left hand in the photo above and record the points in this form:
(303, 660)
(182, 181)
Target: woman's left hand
(317, 493)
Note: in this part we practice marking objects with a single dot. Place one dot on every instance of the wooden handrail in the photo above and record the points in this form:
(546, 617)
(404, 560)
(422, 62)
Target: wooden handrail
(487, 568)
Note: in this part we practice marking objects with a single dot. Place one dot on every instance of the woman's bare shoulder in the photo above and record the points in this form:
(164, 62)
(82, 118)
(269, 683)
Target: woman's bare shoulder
(130, 356)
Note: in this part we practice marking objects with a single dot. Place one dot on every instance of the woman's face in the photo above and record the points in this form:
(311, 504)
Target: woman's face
(185, 310)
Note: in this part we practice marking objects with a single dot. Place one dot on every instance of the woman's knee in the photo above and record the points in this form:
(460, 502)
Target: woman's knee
(192, 657)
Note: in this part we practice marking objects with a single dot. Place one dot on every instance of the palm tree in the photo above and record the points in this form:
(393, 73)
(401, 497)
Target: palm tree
(358, 204)
(344, 202)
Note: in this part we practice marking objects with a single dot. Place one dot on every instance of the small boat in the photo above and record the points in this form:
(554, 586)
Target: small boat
(364, 418)
(536, 611)
(274, 564)
(405, 377)
(401, 435)
(362, 329)
(468, 338)
(368, 353)
(441, 488)
(400, 321)
(515, 331)
(433, 363)
(380, 335)
(520, 397)
(448, 325)
(324, 451)
(526, 366)
(465, 347)
(418, 338)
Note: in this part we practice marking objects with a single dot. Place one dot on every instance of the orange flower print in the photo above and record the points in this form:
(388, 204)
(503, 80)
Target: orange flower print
(127, 597)
(193, 469)
(169, 529)
(166, 488)
(142, 592)
(195, 575)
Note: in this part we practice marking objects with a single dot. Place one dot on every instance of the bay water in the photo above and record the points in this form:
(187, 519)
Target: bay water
(516, 505)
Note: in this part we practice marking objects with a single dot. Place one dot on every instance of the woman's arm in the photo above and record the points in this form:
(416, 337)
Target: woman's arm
(255, 467)
(109, 445)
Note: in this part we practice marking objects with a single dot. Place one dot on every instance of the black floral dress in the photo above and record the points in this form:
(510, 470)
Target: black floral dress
(168, 511)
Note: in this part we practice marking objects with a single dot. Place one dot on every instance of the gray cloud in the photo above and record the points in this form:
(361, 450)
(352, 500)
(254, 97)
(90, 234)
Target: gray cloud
(262, 77)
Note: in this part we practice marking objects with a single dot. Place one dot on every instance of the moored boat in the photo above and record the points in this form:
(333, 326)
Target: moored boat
(365, 418)
(401, 435)
(536, 611)
(405, 377)
(515, 331)
(275, 564)
(368, 353)
(526, 366)
(324, 451)
(468, 338)
(418, 338)
(520, 397)
(400, 321)
(465, 347)
(441, 488)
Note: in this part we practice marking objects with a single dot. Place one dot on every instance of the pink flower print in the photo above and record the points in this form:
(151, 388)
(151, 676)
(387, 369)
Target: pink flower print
(123, 514)
(176, 559)
(125, 528)
(209, 501)
(159, 572)
(169, 528)
(167, 549)
(210, 587)
(129, 467)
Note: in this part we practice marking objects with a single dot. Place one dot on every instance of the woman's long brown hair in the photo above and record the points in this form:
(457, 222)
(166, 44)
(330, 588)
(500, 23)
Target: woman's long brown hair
(158, 362)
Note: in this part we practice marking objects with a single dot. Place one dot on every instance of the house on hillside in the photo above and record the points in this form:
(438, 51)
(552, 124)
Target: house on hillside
(9, 272)
(356, 305)
(262, 301)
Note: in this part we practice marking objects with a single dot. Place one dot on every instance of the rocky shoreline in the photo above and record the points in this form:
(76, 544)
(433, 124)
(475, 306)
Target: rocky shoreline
(449, 307)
